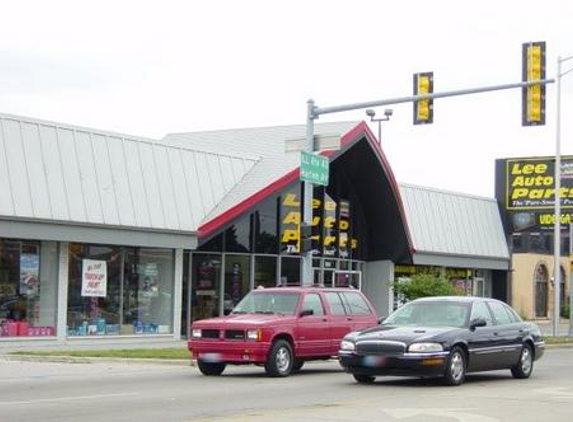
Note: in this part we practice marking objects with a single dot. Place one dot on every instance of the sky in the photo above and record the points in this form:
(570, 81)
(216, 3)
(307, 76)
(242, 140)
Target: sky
(149, 68)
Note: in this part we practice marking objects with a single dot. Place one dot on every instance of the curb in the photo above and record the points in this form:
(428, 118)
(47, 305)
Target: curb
(74, 359)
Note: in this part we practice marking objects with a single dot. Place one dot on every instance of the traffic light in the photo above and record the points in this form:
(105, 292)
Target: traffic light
(533, 96)
(423, 109)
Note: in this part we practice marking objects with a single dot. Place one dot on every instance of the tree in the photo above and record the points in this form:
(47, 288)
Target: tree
(423, 285)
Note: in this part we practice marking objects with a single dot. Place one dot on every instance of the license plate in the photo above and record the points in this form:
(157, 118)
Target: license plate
(210, 357)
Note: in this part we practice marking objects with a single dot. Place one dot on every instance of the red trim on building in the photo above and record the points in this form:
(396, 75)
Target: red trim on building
(362, 128)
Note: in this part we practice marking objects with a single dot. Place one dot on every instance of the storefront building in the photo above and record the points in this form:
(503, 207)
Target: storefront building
(458, 237)
(525, 191)
(112, 238)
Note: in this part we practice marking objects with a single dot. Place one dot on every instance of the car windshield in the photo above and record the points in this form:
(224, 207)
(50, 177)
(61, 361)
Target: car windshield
(432, 314)
(261, 302)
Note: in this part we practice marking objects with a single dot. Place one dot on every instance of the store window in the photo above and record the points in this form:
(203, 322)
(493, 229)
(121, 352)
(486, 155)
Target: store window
(290, 271)
(120, 290)
(206, 284)
(28, 288)
(266, 227)
(265, 271)
(237, 280)
(148, 297)
(238, 236)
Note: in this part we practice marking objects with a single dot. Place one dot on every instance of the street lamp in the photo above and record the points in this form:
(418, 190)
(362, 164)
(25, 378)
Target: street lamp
(387, 113)
(557, 226)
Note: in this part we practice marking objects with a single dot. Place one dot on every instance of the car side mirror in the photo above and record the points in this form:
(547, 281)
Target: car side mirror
(477, 322)
(381, 320)
(306, 312)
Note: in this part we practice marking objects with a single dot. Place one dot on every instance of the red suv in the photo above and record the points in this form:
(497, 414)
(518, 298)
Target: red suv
(280, 328)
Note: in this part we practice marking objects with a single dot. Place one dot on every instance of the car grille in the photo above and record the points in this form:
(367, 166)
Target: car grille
(210, 333)
(380, 347)
(235, 334)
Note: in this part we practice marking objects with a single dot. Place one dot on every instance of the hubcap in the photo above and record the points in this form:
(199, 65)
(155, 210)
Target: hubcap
(283, 359)
(457, 366)
(526, 361)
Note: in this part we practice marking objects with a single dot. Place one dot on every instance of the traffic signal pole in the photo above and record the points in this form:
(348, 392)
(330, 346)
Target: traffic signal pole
(313, 112)
(317, 111)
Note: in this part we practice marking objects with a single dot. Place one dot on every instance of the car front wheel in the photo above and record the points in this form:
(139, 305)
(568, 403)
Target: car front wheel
(524, 367)
(280, 361)
(211, 368)
(456, 367)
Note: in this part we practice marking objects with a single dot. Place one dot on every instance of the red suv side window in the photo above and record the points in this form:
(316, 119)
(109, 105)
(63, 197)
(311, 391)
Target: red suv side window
(356, 303)
(335, 303)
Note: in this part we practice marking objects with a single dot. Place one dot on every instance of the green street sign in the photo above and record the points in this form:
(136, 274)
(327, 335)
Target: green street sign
(314, 168)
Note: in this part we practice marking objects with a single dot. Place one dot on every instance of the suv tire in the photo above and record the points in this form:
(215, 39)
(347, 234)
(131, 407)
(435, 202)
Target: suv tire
(211, 368)
(281, 359)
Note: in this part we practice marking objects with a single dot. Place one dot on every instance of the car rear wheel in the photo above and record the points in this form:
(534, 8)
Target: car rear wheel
(456, 367)
(363, 379)
(524, 367)
(280, 361)
(211, 368)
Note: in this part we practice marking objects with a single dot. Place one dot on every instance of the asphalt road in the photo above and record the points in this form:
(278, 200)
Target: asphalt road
(42, 391)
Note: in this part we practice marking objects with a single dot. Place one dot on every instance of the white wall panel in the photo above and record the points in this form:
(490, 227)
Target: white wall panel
(227, 174)
(36, 172)
(17, 168)
(121, 181)
(204, 180)
(105, 179)
(182, 194)
(88, 177)
(217, 186)
(72, 177)
(55, 184)
(191, 170)
(154, 199)
(165, 182)
(6, 202)
(136, 183)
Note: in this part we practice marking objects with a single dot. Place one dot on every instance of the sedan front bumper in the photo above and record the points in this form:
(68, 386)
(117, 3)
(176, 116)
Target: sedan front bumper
(408, 364)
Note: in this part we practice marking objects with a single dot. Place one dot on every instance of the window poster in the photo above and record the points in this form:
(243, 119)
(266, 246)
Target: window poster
(29, 274)
(94, 278)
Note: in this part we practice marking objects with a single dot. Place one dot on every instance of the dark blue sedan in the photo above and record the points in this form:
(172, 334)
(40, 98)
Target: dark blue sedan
(446, 337)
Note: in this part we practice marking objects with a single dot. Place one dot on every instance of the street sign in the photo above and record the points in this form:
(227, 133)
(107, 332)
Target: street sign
(314, 168)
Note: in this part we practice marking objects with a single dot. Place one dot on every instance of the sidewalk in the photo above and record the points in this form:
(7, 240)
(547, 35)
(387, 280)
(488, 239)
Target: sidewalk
(546, 327)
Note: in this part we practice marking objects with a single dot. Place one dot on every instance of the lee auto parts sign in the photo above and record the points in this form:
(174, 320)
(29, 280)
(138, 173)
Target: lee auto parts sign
(525, 187)
(94, 278)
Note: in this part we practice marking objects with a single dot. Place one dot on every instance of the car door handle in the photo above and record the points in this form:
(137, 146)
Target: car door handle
(495, 334)
(324, 319)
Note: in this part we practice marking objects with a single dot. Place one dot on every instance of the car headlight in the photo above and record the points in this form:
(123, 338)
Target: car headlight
(347, 346)
(254, 335)
(425, 347)
(196, 333)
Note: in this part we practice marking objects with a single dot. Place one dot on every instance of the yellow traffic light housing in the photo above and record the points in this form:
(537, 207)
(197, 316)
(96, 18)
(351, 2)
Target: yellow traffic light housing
(533, 96)
(423, 109)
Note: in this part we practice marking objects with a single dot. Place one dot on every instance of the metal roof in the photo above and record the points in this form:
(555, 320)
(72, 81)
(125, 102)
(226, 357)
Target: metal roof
(454, 224)
(63, 173)
(267, 144)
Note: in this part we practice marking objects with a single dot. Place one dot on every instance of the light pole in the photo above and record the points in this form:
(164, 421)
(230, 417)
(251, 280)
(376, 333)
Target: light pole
(387, 114)
(557, 226)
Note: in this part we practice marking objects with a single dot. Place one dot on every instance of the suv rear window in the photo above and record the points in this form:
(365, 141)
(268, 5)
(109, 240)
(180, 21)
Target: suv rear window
(356, 303)
(335, 303)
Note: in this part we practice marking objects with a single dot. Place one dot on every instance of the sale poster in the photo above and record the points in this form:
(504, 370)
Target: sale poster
(94, 278)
